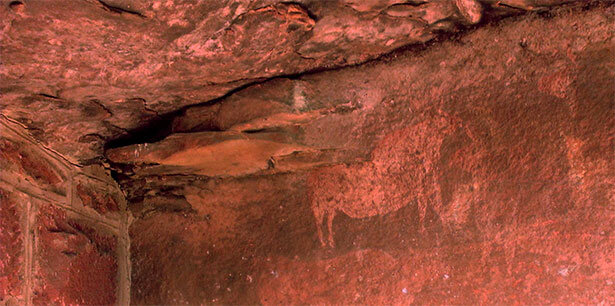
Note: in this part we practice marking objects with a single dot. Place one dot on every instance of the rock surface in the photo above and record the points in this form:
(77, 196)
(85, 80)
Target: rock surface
(56, 247)
(482, 178)
(81, 74)
(307, 152)
(11, 248)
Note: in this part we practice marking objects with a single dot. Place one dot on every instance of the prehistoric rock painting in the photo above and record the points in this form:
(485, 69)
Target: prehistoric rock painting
(402, 171)
(175, 152)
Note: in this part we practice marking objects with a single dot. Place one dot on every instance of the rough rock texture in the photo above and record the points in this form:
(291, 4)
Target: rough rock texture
(484, 177)
(55, 249)
(79, 74)
(308, 152)
(76, 263)
(11, 248)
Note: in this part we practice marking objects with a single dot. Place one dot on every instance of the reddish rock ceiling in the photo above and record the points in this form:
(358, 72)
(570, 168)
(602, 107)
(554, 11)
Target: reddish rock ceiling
(79, 74)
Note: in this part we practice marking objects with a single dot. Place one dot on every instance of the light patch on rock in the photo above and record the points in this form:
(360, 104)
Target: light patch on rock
(299, 101)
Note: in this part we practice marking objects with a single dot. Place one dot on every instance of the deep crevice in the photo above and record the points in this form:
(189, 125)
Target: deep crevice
(69, 253)
(49, 96)
(304, 7)
(152, 131)
(16, 5)
(508, 6)
(102, 106)
(412, 4)
(119, 10)
(255, 131)
(162, 126)
(57, 230)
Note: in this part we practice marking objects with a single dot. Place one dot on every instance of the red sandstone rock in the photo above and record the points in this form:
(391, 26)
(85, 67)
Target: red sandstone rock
(508, 199)
(75, 262)
(361, 277)
(543, 265)
(97, 195)
(18, 157)
(97, 199)
(12, 212)
(222, 154)
(126, 62)
(52, 252)
(475, 168)
(230, 232)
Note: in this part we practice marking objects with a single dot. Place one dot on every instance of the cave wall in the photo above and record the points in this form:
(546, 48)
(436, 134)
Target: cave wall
(62, 228)
(480, 170)
(274, 152)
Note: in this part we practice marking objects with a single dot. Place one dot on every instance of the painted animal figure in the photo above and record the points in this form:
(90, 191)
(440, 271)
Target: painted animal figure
(402, 169)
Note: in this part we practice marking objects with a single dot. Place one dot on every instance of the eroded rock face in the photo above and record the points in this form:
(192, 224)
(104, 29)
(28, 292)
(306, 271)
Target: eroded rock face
(472, 165)
(77, 262)
(61, 240)
(79, 75)
(12, 240)
(427, 178)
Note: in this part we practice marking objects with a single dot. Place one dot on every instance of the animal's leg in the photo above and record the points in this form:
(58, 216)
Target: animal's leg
(319, 215)
(330, 216)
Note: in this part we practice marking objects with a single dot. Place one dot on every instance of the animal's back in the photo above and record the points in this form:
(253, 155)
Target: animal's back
(401, 170)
